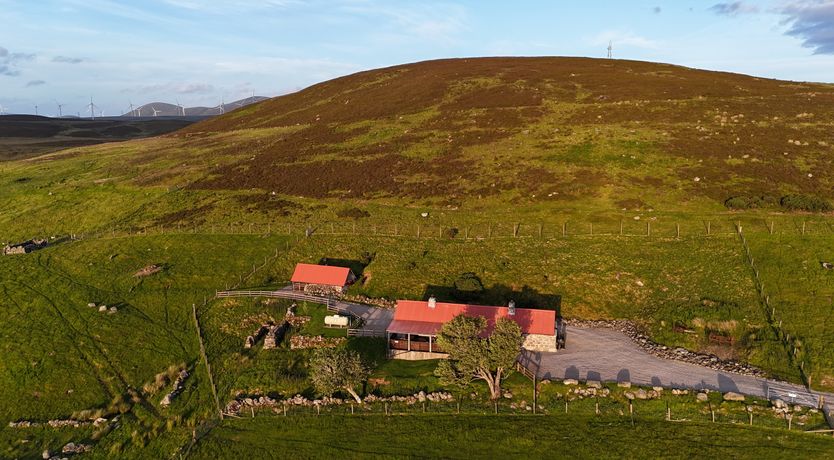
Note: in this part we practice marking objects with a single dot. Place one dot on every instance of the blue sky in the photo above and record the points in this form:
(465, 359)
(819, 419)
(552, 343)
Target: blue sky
(202, 52)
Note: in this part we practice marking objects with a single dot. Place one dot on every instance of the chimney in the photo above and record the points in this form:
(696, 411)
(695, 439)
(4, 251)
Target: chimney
(511, 308)
(432, 302)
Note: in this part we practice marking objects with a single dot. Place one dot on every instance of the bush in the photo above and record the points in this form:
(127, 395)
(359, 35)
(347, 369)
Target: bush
(468, 286)
(353, 213)
(805, 203)
(750, 202)
(451, 232)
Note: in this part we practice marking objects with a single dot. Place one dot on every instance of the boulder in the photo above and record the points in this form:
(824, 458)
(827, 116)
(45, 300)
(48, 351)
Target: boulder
(629, 395)
(624, 384)
(46, 454)
(102, 308)
(733, 396)
(641, 394)
(778, 403)
(593, 384)
(571, 382)
(702, 397)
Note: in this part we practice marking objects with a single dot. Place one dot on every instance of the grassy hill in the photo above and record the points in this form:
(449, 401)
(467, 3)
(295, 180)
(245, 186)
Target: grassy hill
(601, 183)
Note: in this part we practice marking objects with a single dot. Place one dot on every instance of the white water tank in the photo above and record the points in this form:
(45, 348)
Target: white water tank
(336, 320)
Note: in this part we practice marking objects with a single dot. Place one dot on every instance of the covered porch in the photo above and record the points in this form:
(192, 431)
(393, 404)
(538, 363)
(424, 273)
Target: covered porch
(413, 340)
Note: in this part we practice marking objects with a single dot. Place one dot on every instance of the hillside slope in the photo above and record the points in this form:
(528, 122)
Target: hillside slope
(610, 132)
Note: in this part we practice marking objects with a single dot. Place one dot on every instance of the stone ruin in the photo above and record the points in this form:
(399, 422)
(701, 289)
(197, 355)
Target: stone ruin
(274, 335)
(179, 384)
(255, 337)
(25, 247)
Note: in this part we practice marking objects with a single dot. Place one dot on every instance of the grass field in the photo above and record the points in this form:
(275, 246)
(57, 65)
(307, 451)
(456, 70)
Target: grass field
(538, 178)
(499, 436)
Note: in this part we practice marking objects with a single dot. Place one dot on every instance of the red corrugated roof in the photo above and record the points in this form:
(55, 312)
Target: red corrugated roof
(320, 274)
(411, 312)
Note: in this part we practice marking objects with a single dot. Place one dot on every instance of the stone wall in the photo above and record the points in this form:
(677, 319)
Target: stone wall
(539, 342)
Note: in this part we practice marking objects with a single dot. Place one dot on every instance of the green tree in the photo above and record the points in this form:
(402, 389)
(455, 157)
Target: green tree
(473, 356)
(333, 369)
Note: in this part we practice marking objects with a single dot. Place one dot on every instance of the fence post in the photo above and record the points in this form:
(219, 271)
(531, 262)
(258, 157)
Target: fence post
(709, 224)
(677, 230)
(648, 229)
(418, 231)
(592, 228)
(621, 227)
(515, 230)
(540, 230)
(564, 228)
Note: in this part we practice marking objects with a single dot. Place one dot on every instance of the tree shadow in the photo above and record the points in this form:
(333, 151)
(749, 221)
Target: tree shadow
(355, 266)
(624, 375)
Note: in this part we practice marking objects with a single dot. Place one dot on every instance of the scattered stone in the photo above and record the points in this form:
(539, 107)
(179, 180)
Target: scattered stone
(25, 247)
(301, 341)
(570, 382)
(778, 403)
(702, 397)
(733, 396)
(641, 394)
(113, 309)
(624, 384)
(593, 384)
(629, 395)
(657, 389)
(147, 271)
(46, 454)
(91, 305)
(72, 448)
(102, 308)
(179, 383)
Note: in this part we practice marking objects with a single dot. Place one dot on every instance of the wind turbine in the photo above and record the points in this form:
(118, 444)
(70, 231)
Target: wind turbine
(139, 111)
(2, 110)
(132, 114)
(155, 112)
(180, 106)
(36, 110)
(92, 109)
(60, 107)
(222, 106)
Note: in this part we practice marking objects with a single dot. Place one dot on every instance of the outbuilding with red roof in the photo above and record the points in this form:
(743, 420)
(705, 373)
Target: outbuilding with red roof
(321, 279)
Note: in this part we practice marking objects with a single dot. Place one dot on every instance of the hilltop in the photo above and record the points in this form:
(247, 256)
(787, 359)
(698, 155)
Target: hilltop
(612, 132)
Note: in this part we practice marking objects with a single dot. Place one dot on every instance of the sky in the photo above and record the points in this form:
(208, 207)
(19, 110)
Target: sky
(204, 52)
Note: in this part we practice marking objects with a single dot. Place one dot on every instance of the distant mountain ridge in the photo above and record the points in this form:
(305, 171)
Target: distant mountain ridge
(165, 109)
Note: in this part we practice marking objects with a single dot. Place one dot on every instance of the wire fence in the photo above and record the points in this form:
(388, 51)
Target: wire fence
(669, 408)
(660, 228)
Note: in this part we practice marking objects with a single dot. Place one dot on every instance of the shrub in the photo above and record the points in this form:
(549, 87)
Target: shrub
(805, 203)
(469, 286)
(451, 232)
(353, 213)
(750, 202)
